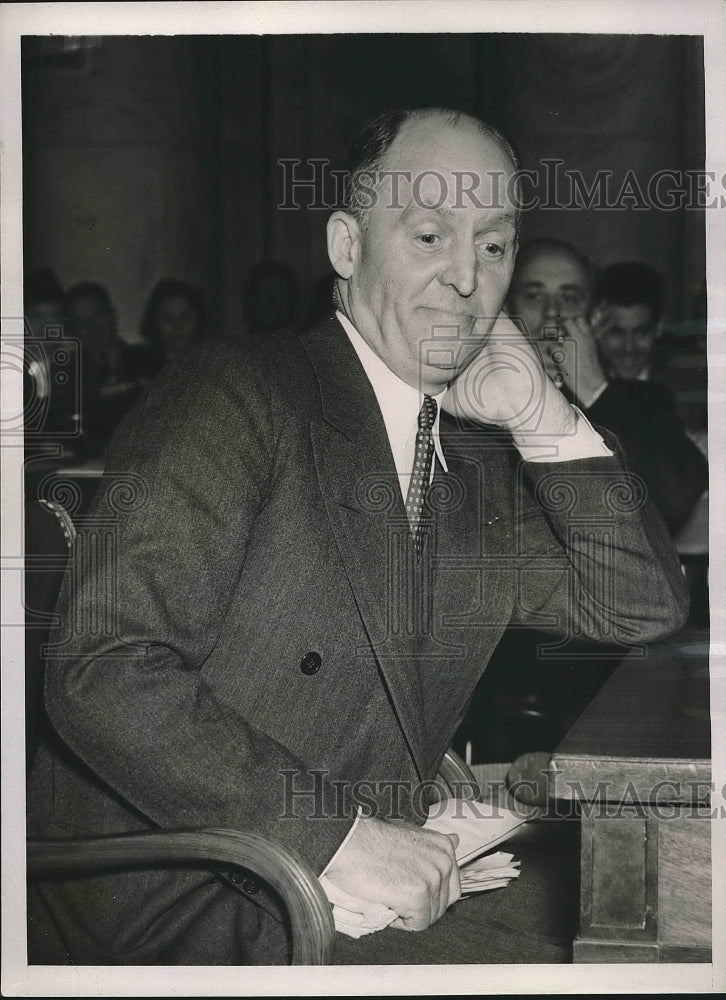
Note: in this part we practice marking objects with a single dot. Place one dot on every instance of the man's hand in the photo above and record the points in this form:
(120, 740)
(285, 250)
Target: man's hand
(411, 870)
(506, 385)
(573, 356)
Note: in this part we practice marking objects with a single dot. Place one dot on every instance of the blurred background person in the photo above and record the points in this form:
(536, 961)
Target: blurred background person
(51, 390)
(551, 296)
(551, 286)
(175, 317)
(44, 300)
(631, 297)
(270, 297)
(109, 388)
(94, 319)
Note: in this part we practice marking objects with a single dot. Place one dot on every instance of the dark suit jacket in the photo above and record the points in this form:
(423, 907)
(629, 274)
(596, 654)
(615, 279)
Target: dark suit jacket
(269, 525)
(644, 417)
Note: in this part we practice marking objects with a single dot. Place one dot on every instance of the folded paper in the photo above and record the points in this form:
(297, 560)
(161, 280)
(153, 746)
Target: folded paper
(479, 827)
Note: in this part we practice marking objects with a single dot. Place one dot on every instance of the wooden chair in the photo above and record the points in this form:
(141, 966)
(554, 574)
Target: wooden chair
(236, 855)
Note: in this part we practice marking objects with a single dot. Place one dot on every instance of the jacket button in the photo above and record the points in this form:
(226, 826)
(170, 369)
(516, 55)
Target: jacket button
(250, 887)
(310, 663)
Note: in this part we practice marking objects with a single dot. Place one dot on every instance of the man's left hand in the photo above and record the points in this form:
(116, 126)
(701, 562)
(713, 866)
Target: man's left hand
(506, 385)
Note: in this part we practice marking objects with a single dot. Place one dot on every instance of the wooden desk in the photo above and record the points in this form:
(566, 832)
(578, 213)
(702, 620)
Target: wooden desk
(638, 764)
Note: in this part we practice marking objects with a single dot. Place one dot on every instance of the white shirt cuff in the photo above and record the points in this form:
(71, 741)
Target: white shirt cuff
(595, 396)
(342, 847)
(584, 443)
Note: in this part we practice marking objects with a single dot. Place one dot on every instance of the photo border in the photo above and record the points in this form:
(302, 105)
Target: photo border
(704, 17)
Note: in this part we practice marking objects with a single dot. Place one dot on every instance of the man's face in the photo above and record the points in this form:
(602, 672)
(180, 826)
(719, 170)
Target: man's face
(626, 336)
(177, 322)
(43, 314)
(93, 320)
(433, 265)
(549, 286)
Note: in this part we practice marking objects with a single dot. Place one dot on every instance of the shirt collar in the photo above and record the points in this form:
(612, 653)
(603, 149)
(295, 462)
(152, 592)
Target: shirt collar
(400, 403)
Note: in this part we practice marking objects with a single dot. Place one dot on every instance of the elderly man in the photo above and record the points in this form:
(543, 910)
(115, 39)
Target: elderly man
(293, 596)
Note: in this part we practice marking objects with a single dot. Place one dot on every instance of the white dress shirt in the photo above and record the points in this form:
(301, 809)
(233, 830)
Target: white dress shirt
(400, 405)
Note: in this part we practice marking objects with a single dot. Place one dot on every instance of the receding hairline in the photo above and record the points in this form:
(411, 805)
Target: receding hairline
(453, 119)
(542, 246)
(374, 149)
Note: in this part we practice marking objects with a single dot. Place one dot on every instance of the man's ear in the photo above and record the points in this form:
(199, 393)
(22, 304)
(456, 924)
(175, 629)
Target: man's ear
(343, 243)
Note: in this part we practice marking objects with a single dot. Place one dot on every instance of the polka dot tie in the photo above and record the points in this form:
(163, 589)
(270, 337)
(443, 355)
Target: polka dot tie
(421, 473)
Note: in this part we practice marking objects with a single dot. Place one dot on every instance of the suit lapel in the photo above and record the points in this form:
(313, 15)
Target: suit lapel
(474, 528)
(472, 588)
(359, 485)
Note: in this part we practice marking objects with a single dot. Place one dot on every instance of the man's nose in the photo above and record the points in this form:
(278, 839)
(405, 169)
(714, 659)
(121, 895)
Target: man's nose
(460, 271)
(550, 316)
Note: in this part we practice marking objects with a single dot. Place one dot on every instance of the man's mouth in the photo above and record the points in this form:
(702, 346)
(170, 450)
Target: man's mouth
(442, 323)
(454, 315)
(631, 364)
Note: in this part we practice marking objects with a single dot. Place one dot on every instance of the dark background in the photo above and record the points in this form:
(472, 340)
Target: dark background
(148, 157)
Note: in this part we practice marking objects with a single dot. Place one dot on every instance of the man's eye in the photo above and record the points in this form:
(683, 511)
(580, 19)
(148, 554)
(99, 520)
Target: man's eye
(493, 250)
(430, 239)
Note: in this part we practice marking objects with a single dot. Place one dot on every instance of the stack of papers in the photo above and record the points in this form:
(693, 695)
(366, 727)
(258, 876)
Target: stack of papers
(493, 871)
(479, 827)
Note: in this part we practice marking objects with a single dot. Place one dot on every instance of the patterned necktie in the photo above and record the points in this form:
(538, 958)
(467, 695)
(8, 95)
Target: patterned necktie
(421, 469)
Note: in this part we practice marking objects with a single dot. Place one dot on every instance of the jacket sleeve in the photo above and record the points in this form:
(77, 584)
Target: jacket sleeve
(594, 558)
(125, 689)
(653, 437)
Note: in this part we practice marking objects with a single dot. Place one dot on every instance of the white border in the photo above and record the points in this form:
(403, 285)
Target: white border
(599, 16)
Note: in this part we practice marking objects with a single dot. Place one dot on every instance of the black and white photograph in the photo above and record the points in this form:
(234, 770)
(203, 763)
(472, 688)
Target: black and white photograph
(363, 391)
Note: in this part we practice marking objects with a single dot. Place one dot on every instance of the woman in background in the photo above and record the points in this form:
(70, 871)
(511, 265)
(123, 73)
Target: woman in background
(175, 317)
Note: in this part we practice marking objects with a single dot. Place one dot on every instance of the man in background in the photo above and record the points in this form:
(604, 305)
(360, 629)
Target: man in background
(595, 334)
(631, 296)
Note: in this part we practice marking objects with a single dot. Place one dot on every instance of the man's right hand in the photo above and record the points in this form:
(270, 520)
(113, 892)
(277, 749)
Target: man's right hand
(581, 371)
(411, 870)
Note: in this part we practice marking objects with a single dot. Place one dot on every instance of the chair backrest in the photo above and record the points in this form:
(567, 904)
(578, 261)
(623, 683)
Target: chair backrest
(49, 537)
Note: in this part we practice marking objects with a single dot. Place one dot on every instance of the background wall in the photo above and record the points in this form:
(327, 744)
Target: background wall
(148, 157)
